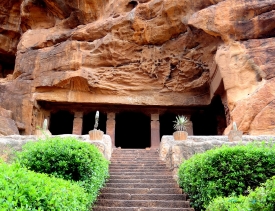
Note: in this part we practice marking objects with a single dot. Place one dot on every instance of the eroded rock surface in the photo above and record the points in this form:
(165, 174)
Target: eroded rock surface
(140, 52)
(7, 124)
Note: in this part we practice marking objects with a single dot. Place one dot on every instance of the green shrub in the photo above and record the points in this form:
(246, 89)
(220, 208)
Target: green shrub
(262, 198)
(233, 203)
(67, 158)
(224, 171)
(21, 189)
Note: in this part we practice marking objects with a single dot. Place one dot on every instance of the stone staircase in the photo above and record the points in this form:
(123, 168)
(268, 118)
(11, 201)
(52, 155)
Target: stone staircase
(139, 181)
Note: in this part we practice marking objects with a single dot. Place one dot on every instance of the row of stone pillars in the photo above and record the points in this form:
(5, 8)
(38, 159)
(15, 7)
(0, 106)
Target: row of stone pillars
(110, 127)
(111, 123)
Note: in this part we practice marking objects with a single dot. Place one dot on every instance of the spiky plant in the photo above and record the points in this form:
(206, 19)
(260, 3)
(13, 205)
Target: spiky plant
(181, 123)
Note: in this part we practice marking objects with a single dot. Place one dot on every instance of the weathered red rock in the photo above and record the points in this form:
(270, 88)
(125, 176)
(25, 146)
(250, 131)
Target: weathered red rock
(7, 124)
(142, 52)
(237, 19)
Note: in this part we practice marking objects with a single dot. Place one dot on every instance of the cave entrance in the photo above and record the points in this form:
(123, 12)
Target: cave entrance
(7, 63)
(166, 123)
(89, 122)
(132, 130)
(61, 122)
(211, 120)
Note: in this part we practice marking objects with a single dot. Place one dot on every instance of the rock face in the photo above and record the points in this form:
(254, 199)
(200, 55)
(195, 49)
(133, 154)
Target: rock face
(8, 125)
(140, 52)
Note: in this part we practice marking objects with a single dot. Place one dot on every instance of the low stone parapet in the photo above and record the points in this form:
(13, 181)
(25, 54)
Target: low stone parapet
(174, 152)
(8, 144)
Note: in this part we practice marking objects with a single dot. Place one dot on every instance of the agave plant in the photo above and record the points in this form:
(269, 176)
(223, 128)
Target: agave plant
(181, 123)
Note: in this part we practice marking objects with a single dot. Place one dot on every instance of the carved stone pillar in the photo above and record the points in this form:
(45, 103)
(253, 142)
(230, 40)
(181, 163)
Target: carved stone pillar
(189, 129)
(78, 122)
(155, 137)
(110, 126)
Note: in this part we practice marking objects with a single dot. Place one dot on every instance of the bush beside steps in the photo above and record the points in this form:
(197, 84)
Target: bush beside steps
(261, 199)
(62, 163)
(21, 189)
(224, 171)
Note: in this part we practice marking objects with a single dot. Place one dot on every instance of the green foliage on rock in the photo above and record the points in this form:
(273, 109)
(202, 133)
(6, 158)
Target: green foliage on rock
(225, 171)
(67, 158)
(262, 198)
(21, 189)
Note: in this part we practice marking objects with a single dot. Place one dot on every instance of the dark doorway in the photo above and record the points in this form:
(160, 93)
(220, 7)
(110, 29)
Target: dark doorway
(89, 122)
(167, 124)
(61, 122)
(133, 130)
(7, 63)
(211, 120)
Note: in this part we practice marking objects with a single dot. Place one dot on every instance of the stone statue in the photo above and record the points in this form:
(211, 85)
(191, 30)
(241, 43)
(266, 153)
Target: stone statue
(43, 133)
(96, 120)
(235, 128)
(235, 134)
(45, 125)
(96, 134)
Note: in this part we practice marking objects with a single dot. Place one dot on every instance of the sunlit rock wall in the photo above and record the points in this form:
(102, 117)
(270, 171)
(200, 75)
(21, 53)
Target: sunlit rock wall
(140, 52)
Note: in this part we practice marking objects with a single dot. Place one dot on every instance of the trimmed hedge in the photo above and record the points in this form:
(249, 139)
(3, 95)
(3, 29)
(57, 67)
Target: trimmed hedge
(226, 170)
(262, 198)
(67, 158)
(21, 189)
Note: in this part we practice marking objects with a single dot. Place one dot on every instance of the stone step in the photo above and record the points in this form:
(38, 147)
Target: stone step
(142, 185)
(140, 181)
(142, 168)
(135, 155)
(130, 168)
(131, 151)
(131, 163)
(116, 172)
(145, 163)
(119, 176)
(134, 164)
(127, 196)
(169, 190)
(103, 208)
(143, 203)
(147, 180)
(134, 158)
(145, 170)
(137, 164)
(134, 152)
(137, 161)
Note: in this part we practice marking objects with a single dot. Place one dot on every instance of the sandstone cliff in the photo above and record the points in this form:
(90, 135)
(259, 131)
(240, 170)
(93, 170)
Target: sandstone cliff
(140, 52)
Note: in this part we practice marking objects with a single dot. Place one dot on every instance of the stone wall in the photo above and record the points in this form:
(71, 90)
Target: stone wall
(8, 144)
(173, 153)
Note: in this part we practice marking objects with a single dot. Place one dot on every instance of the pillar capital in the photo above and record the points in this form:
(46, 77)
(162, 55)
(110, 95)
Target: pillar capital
(78, 114)
(111, 116)
(154, 117)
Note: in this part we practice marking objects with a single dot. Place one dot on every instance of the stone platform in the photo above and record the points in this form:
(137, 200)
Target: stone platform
(15, 142)
(174, 152)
